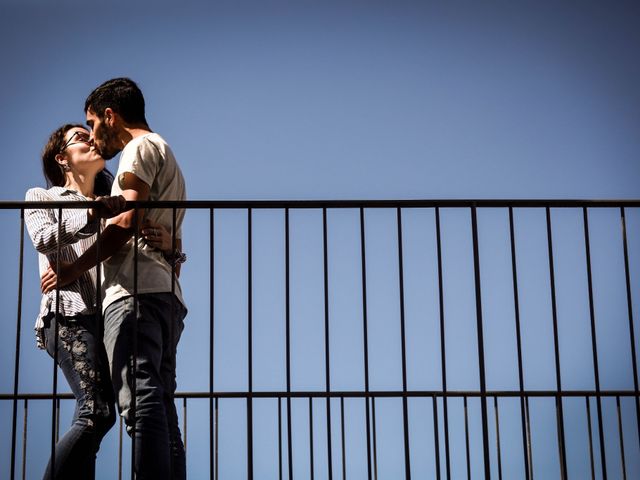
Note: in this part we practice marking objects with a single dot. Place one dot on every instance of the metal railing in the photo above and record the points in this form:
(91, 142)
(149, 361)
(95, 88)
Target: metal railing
(492, 437)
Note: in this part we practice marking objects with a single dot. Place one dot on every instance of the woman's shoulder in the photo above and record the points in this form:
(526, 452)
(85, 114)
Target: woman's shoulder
(39, 193)
(35, 193)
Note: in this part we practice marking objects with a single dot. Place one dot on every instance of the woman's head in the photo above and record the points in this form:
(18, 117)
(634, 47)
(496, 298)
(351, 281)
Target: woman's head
(68, 153)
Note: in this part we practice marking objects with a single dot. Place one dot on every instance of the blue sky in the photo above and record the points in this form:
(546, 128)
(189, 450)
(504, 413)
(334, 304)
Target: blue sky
(339, 100)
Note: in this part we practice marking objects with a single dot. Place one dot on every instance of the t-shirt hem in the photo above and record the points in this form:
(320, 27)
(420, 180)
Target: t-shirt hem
(114, 298)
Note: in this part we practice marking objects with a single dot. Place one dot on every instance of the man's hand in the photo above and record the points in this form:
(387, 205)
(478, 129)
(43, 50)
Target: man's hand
(49, 279)
(109, 207)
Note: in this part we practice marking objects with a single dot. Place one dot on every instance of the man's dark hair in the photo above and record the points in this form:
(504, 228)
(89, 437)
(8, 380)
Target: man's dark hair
(122, 95)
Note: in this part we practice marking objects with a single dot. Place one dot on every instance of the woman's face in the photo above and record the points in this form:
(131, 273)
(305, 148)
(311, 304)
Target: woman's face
(79, 155)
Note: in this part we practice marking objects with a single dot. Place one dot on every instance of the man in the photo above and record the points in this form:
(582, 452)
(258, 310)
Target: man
(115, 111)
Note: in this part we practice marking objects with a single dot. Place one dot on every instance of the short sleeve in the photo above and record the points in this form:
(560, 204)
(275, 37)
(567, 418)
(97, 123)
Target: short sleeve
(143, 160)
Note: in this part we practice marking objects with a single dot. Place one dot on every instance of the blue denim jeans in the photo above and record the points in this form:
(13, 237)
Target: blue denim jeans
(159, 451)
(83, 361)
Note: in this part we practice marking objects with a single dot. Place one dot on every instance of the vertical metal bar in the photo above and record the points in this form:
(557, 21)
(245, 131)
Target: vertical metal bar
(184, 424)
(327, 364)
(24, 440)
(54, 398)
(405, 412)
(173, 344)
(594, 343)
(16, 367)
(436, 439)
(495, 406)
(516, 305)
(480, 333)
(344, 448)
(249, 345)
(134, 366)
(120, 450)
(99, 320)
(529, 444)
(443, 356)
(624, 467)
(280, 438)
(98, 289)
(365, 334)
(375, 446)
(216, 425)
(311, 475)
(632, 336)
(57, 419)
(556, 348)
(466, 438)
(211, 338)
(288, 339)
(289, 441)
(591, 461)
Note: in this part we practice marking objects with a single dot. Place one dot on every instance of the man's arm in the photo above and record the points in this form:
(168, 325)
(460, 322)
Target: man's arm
(117, 232)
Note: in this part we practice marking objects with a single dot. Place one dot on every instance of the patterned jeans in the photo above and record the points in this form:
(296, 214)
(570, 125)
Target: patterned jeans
(158, 322)
(83, 361)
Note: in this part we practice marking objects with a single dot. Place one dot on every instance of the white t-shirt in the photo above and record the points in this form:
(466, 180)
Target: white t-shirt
(150, 159)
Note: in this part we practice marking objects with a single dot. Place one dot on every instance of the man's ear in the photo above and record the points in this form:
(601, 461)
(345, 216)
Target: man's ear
(109, 116)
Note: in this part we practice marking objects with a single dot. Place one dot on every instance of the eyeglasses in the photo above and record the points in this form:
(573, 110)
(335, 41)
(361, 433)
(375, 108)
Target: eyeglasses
(83, 137)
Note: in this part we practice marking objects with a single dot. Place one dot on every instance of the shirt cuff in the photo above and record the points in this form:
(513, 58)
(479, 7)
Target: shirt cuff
(81, 226)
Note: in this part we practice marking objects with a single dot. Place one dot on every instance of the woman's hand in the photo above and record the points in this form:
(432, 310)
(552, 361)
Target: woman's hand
(109, 207)
(49, 279)
(157, 236)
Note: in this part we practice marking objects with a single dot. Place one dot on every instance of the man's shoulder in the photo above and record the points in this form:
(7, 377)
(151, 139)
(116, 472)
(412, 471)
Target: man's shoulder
(137, 142)
(149, 143)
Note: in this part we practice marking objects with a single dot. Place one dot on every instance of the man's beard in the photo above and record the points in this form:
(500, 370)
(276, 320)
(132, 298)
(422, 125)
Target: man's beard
(107, 142)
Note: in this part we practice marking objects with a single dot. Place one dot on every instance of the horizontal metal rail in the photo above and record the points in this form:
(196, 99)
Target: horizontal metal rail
(304, 204)
(369, 394)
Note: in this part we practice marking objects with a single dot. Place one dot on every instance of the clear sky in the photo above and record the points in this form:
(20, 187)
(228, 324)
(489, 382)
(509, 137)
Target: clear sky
(339, 100)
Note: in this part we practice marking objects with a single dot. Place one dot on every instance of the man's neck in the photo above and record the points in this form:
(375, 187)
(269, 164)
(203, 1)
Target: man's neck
(130, 132)
(138, 132)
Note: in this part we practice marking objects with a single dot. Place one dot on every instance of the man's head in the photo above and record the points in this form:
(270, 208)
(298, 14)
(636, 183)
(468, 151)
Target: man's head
(113, 106)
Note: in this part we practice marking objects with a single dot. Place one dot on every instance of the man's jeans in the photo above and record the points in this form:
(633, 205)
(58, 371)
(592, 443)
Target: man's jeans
(83, 362)
(159, 451)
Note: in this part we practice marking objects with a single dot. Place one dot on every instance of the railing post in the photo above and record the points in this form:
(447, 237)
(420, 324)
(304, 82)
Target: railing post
(556, 348)
(405, 413)
(327, 357)
(594, 343)
(16, 370)
(365, 335)
(249, 345)
(516, 306)
(443, 351)
(212, 474)
(480, 333)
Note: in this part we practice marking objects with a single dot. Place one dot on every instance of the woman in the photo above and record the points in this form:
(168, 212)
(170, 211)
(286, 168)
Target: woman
(75, 172)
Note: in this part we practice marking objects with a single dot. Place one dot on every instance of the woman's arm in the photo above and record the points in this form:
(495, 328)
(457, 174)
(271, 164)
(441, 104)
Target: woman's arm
(77, 223)
(157, 236)
(43, 228)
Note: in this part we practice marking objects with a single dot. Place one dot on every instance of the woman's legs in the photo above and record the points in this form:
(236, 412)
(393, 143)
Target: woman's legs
(83, 362)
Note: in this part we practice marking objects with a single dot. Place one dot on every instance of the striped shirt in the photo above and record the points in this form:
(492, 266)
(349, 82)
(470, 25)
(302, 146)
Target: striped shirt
(75, 236)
